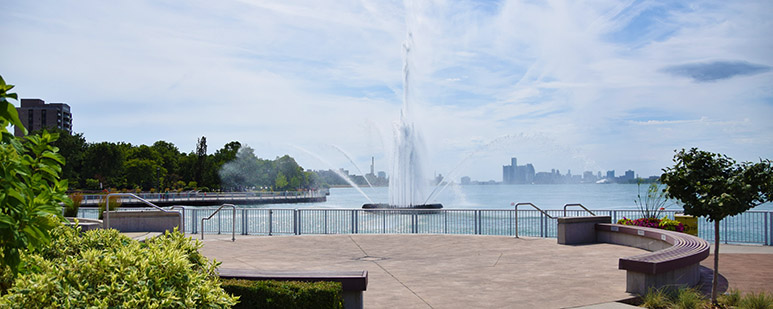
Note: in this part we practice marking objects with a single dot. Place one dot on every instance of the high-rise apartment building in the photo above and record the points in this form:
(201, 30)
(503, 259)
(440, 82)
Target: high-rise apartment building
(35, 114)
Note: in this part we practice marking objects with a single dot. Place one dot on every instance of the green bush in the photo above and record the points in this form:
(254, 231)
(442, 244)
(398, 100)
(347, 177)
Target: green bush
(731, 299)
(756, 301)
(688, 299)
(692, 298)
(102, 268)
(656, 299)
(285, 294)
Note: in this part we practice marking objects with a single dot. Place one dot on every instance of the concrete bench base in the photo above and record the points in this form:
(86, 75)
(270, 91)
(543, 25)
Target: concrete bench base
(352, 282)
(144, 221)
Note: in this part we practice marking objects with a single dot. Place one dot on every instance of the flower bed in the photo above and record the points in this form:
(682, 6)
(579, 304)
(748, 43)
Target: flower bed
(665, 223)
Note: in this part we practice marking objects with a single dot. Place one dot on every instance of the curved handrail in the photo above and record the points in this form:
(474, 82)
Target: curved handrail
(580, 205)
(107, 205)
(527, 204)
(233, 221)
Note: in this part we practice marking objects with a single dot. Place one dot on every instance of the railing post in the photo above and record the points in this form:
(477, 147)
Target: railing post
(270, 222)
(510, 222)
(295, 221)
(445, 223)
(244, 221)
(352, 219)
(766, 228)
(300, 222)
(325, 220)
(725, 229)
(770, 228)
(218, 222)
(475, 222)
(415, 222)
(541, 219)
(195, 224)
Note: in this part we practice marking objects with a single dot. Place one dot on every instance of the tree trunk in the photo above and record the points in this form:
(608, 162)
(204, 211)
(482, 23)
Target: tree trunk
(715, 280)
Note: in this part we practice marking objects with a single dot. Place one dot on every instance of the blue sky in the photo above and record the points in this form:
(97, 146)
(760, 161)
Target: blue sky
(580, 85)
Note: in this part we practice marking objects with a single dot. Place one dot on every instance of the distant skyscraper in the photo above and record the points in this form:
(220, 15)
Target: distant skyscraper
(35, 114)
(629, 175)
(611, 175)
(515, 174)
(466, 180)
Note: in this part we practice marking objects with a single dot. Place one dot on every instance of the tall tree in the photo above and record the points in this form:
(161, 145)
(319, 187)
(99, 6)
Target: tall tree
(714, 186)
(201, 159)
(170, 157)
(105, 163)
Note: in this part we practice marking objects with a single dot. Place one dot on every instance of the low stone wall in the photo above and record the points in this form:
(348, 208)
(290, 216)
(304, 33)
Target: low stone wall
(143, 221)
(85, 224)
(579, 230)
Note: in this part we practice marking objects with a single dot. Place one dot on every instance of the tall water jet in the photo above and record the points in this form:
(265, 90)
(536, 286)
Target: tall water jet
(407, 183)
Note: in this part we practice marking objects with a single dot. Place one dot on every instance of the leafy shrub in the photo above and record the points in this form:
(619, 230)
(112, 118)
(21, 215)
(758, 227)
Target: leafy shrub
(671, 225)
(665, 223)
(285, 294)
(31, 188)
(102, 268)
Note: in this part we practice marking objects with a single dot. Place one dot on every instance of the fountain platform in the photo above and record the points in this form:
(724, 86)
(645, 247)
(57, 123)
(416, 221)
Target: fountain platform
(387, 206)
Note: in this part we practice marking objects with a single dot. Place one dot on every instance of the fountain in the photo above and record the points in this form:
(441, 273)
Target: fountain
(407, 183)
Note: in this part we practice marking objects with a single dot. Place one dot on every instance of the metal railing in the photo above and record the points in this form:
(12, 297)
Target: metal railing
(107, 205)
(752, 227)
(233, 228)
(577, 205)
(93, 199)
(537, 208)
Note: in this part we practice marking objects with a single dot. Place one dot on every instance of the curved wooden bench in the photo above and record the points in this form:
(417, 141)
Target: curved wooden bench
(674, 260)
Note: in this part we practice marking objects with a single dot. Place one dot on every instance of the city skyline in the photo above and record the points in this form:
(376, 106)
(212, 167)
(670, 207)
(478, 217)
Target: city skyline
(609, 85)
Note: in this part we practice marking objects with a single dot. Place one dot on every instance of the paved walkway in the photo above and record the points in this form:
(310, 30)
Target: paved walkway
(444, 271)
(747, 268)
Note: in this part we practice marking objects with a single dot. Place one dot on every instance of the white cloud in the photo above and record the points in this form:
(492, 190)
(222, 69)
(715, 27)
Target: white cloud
(561, 84)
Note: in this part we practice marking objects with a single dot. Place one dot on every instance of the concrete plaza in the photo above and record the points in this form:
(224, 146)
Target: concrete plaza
(444, 271)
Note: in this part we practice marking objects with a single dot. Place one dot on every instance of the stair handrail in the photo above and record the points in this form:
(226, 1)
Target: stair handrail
(527, 204)
(233, 221)
(182, 216)
(107, 205)
(580, 205)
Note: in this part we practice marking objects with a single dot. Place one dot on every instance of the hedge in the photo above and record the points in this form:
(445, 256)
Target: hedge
(284, 294)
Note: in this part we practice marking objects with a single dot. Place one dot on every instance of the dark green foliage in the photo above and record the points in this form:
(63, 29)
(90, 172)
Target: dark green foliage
(715, 186)
(102, 268)
(285, 294)
(105, 162)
